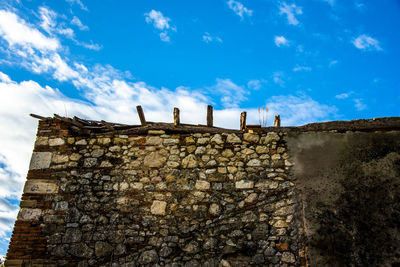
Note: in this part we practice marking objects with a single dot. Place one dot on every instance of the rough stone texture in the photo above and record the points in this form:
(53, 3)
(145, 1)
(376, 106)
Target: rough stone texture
(219, 198)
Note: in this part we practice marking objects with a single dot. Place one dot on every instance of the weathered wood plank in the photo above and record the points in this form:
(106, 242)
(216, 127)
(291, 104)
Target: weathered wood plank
(177, 121)
(209, 116)
(277, 121)
(141, 115)
(243, 116)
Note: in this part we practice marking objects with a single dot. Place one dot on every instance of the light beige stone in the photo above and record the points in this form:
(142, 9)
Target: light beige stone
(97, 153)
(40, 160)
(227, 153)
(81, 142)
(217, 139)
(251, 198)
(214, 209)
(254, 163)
(75, 157)
(154, 140)
(233, 139)
(189, 140)
(60, 158)
(36, 186)
(232, 169)
(202, 141)
(56, 142)
(158, 207)
(190, 162)
(154, 160)
(251, 137)
(202, 185)
(261, 149)
(137, 186)
(200, 150)
(42, 141)
(29, 214)
(270, 137)
(243, 184)
(171, 141)
(155, 132)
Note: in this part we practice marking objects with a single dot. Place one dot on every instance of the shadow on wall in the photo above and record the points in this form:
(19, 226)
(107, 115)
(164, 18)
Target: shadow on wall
(350, 187)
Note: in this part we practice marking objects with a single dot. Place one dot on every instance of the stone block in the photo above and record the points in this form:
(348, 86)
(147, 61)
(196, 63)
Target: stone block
(243, 184)
(202, 185)
(56, 142)
(40, 187)
(154, 160)
(158, 207)
(29, 214)
(40, 160)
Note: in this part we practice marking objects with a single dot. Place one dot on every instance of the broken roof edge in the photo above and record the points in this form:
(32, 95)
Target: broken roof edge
(83, 126)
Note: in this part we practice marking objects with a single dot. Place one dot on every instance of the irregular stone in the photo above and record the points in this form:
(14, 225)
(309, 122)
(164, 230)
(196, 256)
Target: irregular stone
(247, 151)
(214, 209)
(40, 160)
(202, 185)
(102, 249)
(192, 263)
(165, 252)
(155, 132)
(202, 141)
(154, 160)
(115, 149)
(270, 137)
(233, 139)
(60, 206)
(280, 224)
(189, 140)
(288, 257)
(72, 235)
(232, 169)
(171, 141)
(75, 157)
(276, 157)
(200, 150)
(227, 153)
(251, 137)
(42, 141)
(243, 184)
(190, 162)
(105, 164)
(261, 149)
(29, 214)
(148, 257)
(81, 250)
(210, 243)
(258, 259)
(56, 142)
(60, 158)
(90, 162)
(251, 198)
(158, 207)
(97, 153)
(81, 142)
(192, 247)
(254, 163)
(284, 211)
(154, 140)
(190, 149)
(217, 139)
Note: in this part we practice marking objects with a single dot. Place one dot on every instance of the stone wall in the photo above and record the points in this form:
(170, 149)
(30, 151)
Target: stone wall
(158, 199)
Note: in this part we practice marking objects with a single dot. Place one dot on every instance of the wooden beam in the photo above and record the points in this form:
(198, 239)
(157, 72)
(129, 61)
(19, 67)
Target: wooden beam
(243, 116)
(141, 115)
(177, 121)
(37, 116)
(277, 121)
(209, 116)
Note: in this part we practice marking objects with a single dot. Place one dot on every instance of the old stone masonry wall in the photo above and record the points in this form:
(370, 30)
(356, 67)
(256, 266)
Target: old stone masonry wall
(158, 200)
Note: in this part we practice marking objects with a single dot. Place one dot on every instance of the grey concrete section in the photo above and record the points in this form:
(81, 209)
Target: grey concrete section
(40, 160)
(349, 184)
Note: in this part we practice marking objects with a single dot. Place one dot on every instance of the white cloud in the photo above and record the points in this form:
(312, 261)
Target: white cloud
(359, 104)
(301, 68)
(365, 42)
(49, 23)
(255, 84)
(239, 9)
(278, 78)
(207, 38)
(18, 33)
(281, 40)
(333, 63)
(290, 11)
(77, 22)
(160, 23)
(343, 95)
(232, 94)
(298, 110)
(79, 3)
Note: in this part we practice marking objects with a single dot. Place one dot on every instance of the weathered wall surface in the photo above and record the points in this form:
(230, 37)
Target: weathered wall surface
(173, 200)
(349, 184)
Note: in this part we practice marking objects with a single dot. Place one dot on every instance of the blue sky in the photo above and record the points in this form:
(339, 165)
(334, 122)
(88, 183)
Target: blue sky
(308, 61)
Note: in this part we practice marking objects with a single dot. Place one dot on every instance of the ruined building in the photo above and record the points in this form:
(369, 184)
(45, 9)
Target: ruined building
(159, 194)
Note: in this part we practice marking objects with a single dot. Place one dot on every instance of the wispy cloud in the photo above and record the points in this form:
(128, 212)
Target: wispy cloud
(77, 22)
(278, 78)
(365, 42)
(79, 3)
(359, 104)
(232, 94)
(256, 84)
(301, 68)
(344, 95)
(330, 2)
(50, 25)
(333, 63)
(290, 11)
(281, 40)
(161, 23)
(239, 9)
(208, 38)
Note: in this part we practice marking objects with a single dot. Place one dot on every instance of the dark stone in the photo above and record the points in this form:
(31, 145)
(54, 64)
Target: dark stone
(192, 263)
(72, 235)
(165, 252)
(80, 250)
(258, 259)
(149, 256)
(103, 249)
